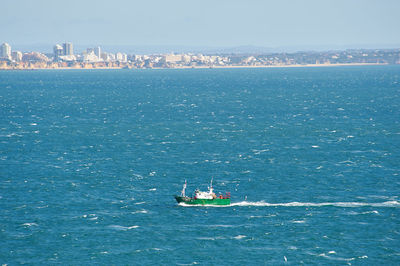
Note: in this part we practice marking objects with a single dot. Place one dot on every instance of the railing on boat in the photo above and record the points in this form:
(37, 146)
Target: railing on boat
(226, 196)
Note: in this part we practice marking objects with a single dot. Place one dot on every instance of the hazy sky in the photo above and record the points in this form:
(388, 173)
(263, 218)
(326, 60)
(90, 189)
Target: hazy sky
(212, 23)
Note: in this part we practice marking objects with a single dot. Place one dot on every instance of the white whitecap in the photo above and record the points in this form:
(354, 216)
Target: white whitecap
(30, 224)
(366, 212)
(123, 228)
(220, 225)
(139, 211)
(206, 238)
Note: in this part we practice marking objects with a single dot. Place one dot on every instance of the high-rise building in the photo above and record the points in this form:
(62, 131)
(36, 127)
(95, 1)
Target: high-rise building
(68, 48)
(17, 56)
(172, 58)
(97, 51)
(58, 51)
(90, 57)
(5, 51)
(121, 57)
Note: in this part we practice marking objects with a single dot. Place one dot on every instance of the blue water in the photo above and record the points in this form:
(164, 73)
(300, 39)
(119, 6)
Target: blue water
(90, 161)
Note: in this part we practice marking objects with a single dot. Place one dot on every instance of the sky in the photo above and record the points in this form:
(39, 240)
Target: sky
(205, 23)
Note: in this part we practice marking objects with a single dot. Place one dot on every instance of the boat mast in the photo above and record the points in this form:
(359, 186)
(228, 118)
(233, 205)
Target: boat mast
(183, 190)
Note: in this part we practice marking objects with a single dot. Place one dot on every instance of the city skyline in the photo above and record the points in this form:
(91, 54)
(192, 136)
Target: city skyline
(63, 56)
(301, 25)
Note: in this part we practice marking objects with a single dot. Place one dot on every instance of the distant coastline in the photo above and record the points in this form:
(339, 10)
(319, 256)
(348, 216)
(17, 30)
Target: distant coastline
(194, 67)
(281, 66)
(63, 57)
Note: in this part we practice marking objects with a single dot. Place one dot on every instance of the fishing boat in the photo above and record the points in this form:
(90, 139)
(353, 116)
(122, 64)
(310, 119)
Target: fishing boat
(204, 197)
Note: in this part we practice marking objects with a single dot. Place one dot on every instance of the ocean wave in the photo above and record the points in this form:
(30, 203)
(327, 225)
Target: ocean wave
(123, 228)
(299, 221)
(359, 213)
(30, 224)
(140, 211)
(211, 238)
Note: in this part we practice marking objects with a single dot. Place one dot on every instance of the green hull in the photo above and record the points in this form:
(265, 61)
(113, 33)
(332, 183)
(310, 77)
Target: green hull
(191, 201)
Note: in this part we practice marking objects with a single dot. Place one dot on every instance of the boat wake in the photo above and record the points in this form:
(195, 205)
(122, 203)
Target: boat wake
(322, 204)
(395, 204)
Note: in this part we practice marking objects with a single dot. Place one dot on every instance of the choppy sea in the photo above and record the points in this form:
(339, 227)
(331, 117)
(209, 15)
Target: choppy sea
(90, 161)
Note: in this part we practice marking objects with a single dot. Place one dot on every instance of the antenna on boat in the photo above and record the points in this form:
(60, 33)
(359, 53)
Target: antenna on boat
(183, 190)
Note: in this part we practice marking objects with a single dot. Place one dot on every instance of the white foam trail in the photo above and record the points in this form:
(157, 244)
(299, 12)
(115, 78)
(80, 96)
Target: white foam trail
(322, 204)
(393, 203)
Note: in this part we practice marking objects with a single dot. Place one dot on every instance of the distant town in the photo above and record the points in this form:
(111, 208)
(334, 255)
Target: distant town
(63, 57)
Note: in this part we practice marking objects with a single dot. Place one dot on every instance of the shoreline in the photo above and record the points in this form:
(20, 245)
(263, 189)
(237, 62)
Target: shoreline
(203, 67)
(275, 66)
